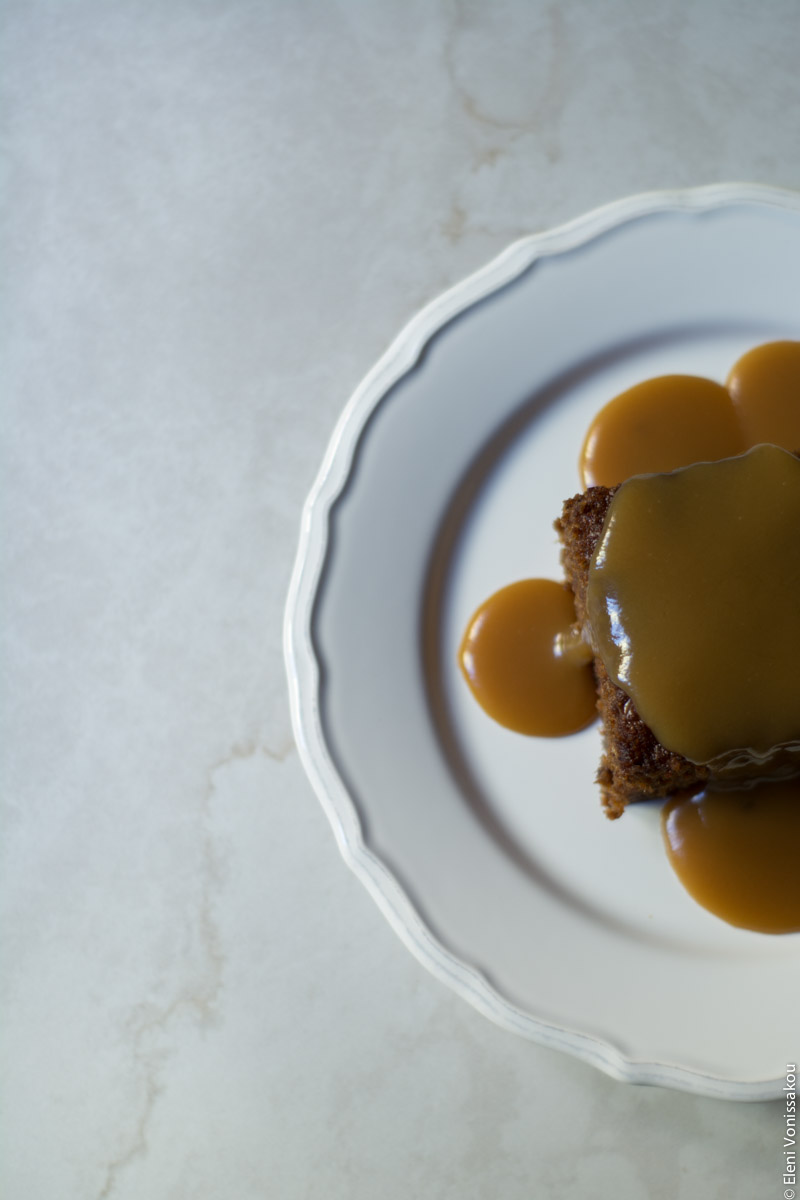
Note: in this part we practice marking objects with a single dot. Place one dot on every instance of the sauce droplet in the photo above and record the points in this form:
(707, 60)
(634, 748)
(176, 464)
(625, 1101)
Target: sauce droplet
(675, 420)
(729, 850)
(658, 426)
(526, 663)
(765, 388)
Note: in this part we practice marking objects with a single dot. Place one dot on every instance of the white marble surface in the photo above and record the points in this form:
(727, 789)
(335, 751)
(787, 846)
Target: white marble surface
(219, 214)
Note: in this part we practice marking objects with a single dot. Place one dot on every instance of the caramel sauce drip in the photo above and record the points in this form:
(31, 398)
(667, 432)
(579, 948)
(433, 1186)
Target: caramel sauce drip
(693, 603)
(526, 663)
(729, 850)
(765, 388)
(675, 420)
(659, 425)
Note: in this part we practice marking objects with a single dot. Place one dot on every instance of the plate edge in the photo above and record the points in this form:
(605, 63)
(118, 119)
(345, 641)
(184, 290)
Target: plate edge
(303, 669)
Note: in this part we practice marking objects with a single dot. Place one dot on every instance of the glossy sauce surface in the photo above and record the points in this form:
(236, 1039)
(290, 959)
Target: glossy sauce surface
(694, 604)
(526, 664)
(659, 425)
(765, 388)
(675, 420)
(734, 852)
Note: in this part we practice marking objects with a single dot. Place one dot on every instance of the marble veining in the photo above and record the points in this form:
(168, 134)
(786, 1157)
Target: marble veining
(218, 216)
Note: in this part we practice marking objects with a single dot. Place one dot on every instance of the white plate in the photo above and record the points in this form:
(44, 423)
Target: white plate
(488, 851)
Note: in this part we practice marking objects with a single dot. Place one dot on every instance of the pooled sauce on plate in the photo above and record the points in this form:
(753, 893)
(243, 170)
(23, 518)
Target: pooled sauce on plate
(526, 662)
(676, 420)
(765, 388)
(732, 852)
(658, 426)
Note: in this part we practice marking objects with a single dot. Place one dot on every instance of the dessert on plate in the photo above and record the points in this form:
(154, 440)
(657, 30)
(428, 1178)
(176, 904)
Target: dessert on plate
(687, 586)
(680, 617)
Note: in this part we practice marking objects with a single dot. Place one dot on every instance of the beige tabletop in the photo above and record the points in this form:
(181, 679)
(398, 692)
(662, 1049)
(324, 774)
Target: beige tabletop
(219, 213)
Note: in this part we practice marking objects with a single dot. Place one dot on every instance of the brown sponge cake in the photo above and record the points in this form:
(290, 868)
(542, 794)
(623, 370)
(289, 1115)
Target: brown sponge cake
(634, 766)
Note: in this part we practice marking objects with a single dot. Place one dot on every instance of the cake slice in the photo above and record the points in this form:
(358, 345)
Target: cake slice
(686, 587)
(634, 766)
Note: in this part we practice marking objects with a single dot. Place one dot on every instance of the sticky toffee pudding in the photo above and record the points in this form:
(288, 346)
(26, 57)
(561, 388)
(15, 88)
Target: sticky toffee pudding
(682, 560)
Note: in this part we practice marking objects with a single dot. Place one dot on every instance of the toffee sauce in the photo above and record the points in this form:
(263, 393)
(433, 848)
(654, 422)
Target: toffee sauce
(729, 850)
(526, 664)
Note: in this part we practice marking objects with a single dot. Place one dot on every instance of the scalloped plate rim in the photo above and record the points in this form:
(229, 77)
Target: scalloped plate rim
(303, 670)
